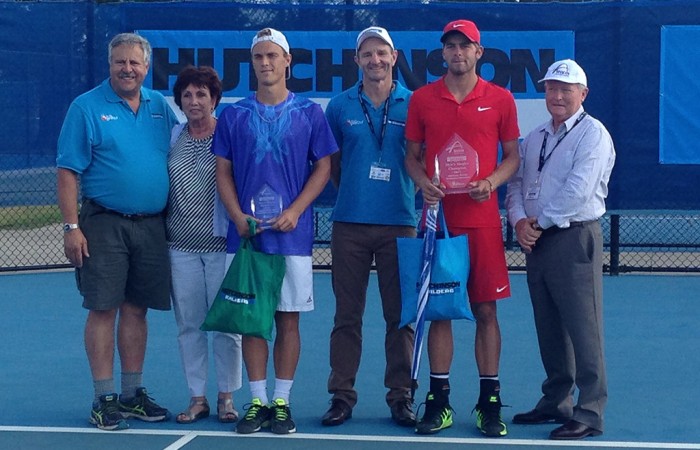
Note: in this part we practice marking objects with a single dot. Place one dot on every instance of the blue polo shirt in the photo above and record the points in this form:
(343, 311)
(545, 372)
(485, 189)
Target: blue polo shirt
(121, 157)
(361, 199)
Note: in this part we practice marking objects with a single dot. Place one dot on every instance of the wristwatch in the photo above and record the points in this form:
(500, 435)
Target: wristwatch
(69, 226)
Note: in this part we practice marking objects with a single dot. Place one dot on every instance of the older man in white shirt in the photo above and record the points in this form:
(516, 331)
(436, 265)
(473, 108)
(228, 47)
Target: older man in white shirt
(555, 202)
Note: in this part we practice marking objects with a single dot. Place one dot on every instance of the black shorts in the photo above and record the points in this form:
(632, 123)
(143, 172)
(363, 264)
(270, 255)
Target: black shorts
(128, 260)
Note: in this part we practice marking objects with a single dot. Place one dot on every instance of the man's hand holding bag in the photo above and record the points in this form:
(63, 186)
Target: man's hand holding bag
(248, 297)
(448, 281)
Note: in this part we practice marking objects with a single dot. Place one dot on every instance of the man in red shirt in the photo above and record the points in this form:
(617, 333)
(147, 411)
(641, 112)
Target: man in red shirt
(465, 110)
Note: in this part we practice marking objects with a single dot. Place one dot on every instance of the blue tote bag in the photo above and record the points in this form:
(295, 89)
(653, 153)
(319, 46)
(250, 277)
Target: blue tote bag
(447, 298)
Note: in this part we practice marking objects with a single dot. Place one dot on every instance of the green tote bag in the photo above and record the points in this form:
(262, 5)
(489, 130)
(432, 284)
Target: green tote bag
(248, 297)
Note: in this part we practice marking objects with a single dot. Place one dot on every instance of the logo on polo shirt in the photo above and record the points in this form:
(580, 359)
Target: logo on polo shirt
(108, 117)
(351, 122)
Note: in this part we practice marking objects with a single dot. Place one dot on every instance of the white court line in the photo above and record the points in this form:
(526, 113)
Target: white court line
(188, 436)
(186, 439)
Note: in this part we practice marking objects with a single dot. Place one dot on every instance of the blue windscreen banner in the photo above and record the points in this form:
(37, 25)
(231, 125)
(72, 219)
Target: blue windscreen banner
(679, 95)
(323, 62)
(639, 55)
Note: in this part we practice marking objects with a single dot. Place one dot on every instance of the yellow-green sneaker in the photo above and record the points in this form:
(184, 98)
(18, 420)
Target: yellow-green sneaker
(488, 417)
(142, 407)
(282, 422)
(257, 416)
(105, 414)
(438, 416)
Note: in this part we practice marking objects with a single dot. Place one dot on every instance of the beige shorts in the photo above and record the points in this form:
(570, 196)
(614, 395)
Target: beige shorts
(297, 286)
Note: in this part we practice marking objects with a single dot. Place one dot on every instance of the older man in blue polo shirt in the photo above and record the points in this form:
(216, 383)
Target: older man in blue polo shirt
(375, 205)
(115, 139)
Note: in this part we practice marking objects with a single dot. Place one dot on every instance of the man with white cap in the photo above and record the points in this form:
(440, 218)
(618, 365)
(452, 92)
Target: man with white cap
(462, 110)
(276, 145)
(554, 202)
(374, 206)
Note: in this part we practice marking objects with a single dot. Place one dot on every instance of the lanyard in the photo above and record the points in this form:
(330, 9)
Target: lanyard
(385, 117)
(544, 159)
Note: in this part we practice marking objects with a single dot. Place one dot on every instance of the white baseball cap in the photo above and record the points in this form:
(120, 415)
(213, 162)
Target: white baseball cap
(376, 32)
(272, 35)
(567, 71)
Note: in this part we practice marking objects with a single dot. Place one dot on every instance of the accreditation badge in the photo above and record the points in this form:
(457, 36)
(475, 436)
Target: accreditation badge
(533, 191)
(379, 172)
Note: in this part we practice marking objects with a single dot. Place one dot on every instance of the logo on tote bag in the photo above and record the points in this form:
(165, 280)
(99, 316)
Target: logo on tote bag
(451, 287)
(238, 297)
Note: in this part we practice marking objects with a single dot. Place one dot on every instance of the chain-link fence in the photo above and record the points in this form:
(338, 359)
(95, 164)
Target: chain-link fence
(30, 221)
(31, 235)
(651, 241)
(30, 230)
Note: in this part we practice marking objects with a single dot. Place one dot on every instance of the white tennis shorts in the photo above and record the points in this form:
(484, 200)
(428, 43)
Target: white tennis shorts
(297, 286)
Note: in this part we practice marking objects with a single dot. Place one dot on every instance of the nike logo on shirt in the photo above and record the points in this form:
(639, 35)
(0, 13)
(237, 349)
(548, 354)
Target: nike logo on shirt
(483, 108)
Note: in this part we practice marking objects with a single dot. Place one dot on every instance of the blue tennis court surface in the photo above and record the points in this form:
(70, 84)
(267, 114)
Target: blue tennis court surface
(651, 343)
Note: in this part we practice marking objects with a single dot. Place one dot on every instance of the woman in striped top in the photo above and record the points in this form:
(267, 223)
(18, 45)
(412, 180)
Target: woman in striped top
(197, 252)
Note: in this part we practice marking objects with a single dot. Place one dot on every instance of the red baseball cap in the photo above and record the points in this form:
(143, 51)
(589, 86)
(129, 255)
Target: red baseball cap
(466, 27)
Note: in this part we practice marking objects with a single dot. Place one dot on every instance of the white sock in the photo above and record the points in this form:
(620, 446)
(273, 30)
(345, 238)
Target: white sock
(258, 389)
(282, 389)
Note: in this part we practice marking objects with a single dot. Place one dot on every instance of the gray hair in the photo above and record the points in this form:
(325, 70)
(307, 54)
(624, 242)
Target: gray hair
(130, 39)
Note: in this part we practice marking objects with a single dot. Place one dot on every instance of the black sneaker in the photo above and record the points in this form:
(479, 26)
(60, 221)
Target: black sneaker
(438, 416)
(488, 417)
(282, 422)
(256, 417)
(105, 414)
(142, 407)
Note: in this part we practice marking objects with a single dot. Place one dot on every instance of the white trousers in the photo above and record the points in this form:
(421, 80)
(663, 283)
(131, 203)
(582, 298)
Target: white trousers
(196, 278)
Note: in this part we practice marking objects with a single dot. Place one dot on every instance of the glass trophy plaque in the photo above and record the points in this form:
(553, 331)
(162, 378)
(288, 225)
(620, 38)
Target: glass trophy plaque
(458, 164)
(266, 205)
